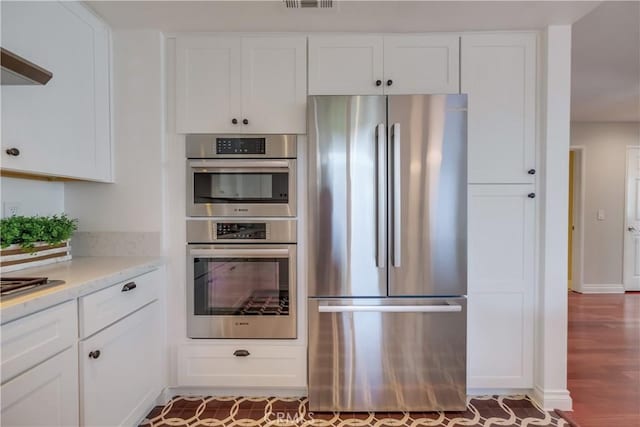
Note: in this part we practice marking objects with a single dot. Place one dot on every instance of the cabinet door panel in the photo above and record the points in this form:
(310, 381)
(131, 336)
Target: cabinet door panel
(208, 88)
(345, 65)
(62, 128)
(274, 84)
(501, 284)
(425, 64)
(46, 395)
(498, 74)
(117, 387)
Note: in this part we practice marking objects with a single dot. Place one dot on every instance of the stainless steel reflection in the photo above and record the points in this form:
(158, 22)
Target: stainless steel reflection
(241, 326)
(429, 209)
(203, 146)
(345, 206)
(249, 167)
(387, 198)
(276, 231)
(387, 354)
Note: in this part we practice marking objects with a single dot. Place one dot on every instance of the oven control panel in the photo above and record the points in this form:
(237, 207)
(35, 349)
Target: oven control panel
(241, 231)
(240, 146)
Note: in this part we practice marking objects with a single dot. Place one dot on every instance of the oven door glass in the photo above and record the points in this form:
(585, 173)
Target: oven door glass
(241, 286)
(241, 187)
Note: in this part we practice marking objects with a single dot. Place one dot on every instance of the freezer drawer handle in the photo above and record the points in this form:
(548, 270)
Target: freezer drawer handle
(241, 353)
(390, 308)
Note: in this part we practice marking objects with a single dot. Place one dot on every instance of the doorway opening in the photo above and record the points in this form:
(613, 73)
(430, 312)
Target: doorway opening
(575, 232)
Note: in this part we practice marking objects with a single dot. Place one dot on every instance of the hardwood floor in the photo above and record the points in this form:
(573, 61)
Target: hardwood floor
(604, 359)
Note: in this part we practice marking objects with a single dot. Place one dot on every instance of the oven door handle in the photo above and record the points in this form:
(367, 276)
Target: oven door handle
(242, 253)
(240, 164)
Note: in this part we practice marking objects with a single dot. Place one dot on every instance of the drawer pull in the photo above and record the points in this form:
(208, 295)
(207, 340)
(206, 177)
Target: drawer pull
(129, 287)
(241, 353)
(94, 354)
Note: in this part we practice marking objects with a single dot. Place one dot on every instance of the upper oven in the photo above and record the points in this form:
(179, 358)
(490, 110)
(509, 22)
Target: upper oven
(241, 175)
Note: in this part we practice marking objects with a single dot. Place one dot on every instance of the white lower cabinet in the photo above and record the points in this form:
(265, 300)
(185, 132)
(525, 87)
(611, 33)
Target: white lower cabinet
(501, 286)
(46, 395)
(246, 364)
(120, 369)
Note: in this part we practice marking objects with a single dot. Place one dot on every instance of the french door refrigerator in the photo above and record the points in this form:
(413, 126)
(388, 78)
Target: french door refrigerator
(387, 271)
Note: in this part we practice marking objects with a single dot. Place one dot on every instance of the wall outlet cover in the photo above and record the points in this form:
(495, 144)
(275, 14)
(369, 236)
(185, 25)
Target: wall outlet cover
(11, 209)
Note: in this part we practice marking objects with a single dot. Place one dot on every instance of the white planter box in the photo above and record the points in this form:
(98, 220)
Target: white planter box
(14, 257)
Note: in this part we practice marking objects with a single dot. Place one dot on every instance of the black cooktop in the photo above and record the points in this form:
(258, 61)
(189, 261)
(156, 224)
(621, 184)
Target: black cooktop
(10, 286)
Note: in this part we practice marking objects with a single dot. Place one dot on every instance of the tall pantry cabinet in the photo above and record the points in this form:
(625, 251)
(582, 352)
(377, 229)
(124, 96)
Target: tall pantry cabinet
(498, 72)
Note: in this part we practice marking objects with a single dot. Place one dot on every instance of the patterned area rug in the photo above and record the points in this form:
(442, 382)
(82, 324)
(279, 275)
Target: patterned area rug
(482, 411)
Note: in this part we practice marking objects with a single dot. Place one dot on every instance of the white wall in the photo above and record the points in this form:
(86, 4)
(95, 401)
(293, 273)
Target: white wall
(134, 202)
(33, 197)
(605, 151)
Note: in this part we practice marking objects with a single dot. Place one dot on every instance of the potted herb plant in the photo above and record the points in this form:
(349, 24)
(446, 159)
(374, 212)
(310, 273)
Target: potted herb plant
(35, 240)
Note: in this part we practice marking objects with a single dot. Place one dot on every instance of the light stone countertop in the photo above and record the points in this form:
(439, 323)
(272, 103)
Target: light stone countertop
(82, 276)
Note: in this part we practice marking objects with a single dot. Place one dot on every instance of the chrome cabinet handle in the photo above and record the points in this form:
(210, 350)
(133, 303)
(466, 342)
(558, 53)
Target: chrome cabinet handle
(241, 353)
(129, 287)
(380, 193)
(94, 354)
(397, 200)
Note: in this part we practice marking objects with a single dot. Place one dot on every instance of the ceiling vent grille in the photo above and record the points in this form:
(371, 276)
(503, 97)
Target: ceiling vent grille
(309, 4)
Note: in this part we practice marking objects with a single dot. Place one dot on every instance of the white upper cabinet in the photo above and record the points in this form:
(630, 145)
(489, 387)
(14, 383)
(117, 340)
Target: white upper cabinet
(241, 84)
(377, 65)
(345, 65)
(209, 88)
(62, 128)
(499, 75)
(421, 64)
(274, 84)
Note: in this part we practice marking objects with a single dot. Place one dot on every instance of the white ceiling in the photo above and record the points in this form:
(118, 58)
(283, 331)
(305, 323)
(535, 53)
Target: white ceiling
(373, 16)
(606, 64)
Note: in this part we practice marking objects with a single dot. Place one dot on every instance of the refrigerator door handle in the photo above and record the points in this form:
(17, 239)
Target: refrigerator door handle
(397, 203)
(380, 194)
(446, 308)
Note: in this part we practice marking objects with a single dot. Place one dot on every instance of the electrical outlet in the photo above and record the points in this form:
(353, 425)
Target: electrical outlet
(11, 209)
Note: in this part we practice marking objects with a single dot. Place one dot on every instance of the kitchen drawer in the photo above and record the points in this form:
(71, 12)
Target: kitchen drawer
(46, 395)
(108, 305)
(266, 366)
(30, 340)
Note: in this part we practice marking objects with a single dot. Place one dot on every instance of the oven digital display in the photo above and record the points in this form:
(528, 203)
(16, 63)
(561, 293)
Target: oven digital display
(240, 146)
(242, 231)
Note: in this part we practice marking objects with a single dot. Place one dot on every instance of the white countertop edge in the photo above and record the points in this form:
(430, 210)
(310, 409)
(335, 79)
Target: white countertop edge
(109, 271)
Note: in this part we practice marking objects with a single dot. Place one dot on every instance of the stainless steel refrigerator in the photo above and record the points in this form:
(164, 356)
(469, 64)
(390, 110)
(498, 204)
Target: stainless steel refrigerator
(387, 271)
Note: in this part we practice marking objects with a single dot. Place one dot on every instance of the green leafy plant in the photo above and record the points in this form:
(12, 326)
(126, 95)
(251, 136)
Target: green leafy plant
(27, 230)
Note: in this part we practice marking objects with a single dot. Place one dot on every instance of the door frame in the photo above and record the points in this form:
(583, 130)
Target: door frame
(625, 249)
(579, 194)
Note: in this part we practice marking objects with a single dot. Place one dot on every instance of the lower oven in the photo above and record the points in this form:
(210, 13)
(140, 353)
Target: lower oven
(241, 279)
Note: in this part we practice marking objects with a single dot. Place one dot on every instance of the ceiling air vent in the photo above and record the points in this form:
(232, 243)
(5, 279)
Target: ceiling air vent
(309, 4)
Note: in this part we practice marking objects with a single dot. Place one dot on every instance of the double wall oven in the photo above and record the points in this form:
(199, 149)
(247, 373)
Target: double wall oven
(241, 236)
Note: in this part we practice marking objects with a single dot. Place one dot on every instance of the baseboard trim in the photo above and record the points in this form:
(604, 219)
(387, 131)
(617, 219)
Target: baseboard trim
(474, 391)
(608, 288)
(552, 399)
(171, 392)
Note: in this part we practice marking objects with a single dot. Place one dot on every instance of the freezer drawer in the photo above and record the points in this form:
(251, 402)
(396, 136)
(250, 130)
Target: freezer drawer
(387, 354)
